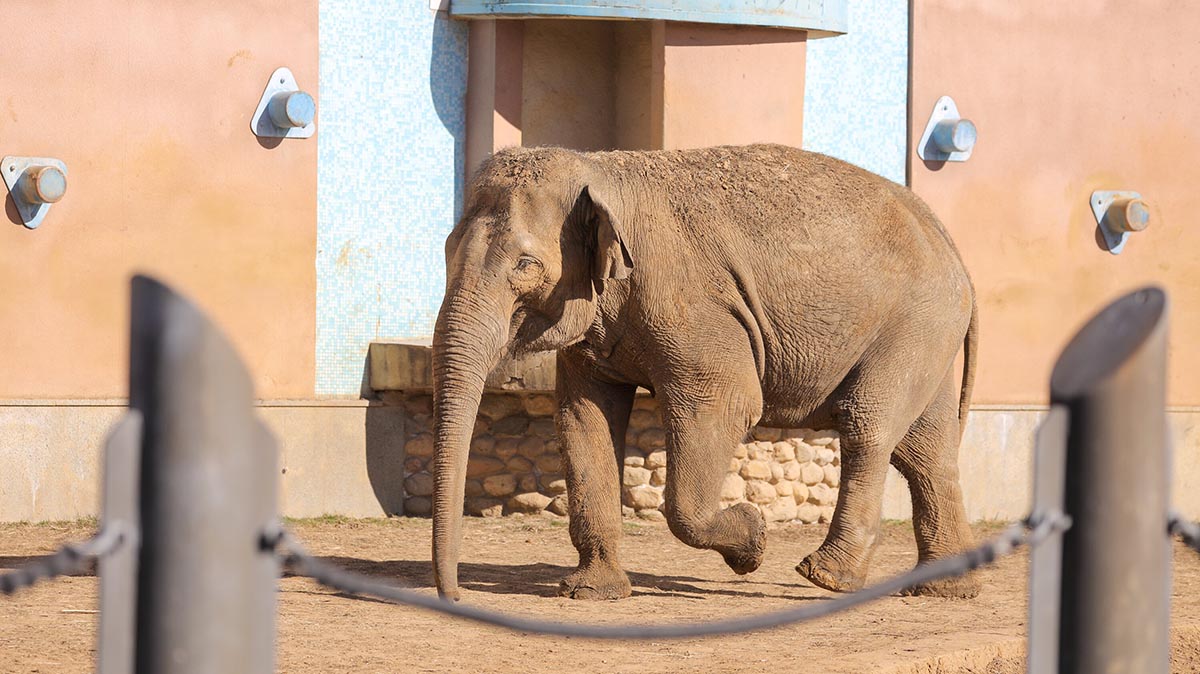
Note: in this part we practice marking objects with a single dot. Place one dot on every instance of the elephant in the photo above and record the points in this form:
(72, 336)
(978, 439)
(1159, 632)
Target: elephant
(740, 285)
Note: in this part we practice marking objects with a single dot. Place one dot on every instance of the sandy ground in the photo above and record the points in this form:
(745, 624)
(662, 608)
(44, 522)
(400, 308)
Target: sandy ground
(514, 564)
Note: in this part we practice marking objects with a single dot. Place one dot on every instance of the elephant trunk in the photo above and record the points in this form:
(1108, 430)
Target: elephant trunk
(468, 339)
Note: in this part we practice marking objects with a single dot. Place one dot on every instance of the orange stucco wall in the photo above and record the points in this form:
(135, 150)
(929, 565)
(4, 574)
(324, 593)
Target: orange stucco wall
(1068, 98)
(727, 85)
(148, 103)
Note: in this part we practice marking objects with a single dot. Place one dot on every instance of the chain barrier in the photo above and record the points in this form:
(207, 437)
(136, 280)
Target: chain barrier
(1029, 532)
(1187, 530)
(69, 559)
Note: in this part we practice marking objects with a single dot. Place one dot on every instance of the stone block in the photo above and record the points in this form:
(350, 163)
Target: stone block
(811, 473)
(833, 475)
(418, 484)
(421, 445)
(540, 405)
(764, 433)
(474, 488)
(498, 406)
(758, 491)
(484, 445)
(531, 447)
(821, 438)
(804, 452)
(784, 452)
(776, 472)
(421, 506)
(506, 448)
(756, 470)
(549, 463)
(479, 466)
(652, 439)
(809, 513)
(782, 510)
(499, 485)
(822, 494)
(530, 502)
(519, 465)
(656, 459)
(643, 497)
(761, 451)
(542, 428)
(642, 419)
(554, 485)
(658, 477)
(558, 505)
(824, 456)
(633, 476)
(799, 492)
(791, 471)
(511, 425)
(484, 507)
(733, 488)
(651, 515)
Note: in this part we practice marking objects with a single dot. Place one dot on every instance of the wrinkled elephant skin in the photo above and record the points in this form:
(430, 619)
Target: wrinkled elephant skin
(742, 285)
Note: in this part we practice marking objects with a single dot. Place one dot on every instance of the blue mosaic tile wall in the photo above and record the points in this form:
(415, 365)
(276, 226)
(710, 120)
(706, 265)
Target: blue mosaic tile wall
(856, 89)
(390, 157)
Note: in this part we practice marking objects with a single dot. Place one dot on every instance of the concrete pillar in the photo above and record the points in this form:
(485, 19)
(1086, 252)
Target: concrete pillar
(494, 88)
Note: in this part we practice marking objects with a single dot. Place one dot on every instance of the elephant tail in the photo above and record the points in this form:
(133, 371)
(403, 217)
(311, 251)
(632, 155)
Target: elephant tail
(970, 352)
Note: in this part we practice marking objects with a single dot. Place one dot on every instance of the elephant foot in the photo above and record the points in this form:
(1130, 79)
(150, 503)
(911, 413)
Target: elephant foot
(960, 587)
(825, 571)
(746, 558)
(595, 583)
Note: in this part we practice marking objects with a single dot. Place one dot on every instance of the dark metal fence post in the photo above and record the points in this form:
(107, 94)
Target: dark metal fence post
(1116, 559)
(205, 588)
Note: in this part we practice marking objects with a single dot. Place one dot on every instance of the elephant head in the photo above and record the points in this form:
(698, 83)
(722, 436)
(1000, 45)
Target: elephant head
(539, 237)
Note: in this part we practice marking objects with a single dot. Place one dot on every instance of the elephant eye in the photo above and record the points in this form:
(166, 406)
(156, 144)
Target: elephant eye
(525, 263)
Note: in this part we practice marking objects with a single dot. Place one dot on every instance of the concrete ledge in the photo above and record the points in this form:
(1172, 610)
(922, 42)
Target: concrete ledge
(822, 18)
(407, 365)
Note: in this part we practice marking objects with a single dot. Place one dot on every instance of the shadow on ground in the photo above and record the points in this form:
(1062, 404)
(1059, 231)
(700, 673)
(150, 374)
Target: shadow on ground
(541, 579)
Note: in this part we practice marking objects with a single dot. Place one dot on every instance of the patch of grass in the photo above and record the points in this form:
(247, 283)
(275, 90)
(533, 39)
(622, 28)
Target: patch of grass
(351, 522)
(89, 522)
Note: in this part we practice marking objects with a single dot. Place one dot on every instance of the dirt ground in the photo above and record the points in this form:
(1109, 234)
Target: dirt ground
(513, 564)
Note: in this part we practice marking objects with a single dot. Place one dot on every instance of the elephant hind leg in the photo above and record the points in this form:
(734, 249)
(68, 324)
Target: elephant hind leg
(702, 433)
(927, 457)
(872, 419)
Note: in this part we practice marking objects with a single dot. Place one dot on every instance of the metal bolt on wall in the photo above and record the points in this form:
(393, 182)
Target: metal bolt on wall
(947, 136)
(1119, 213)
(35, 183)
(284, 111)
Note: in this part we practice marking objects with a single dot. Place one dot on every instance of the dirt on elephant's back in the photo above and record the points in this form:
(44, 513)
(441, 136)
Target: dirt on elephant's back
(513, 564)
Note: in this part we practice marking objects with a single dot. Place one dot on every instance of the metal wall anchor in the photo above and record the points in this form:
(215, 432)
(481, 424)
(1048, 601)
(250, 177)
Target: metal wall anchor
(1119, 213)
(947, 136)
(283, 110)
(35, 183)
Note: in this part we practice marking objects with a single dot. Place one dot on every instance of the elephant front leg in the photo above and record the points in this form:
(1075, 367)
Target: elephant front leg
(592, 420)
(702, 433)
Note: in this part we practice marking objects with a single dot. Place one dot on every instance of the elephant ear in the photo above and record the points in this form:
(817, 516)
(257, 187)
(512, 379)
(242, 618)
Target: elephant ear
(611, 257)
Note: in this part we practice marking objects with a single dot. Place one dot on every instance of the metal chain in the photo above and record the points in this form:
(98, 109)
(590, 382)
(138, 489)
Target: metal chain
(69, 559)
(1187, 530)
(1029, 532)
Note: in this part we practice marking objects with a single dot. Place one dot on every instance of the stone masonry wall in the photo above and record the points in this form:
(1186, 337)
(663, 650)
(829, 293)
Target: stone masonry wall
(515, 465)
